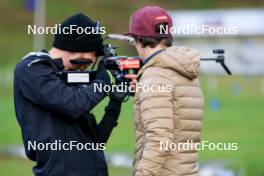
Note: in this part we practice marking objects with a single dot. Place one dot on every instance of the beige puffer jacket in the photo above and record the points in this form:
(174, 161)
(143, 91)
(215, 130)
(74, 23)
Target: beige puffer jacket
(170, 117)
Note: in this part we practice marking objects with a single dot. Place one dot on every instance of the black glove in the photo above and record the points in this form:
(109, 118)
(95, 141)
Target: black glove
(118, 96)
(102, 75)
(106, 76)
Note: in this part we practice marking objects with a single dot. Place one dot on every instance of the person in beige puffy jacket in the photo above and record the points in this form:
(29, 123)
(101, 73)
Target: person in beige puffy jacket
(165, 117)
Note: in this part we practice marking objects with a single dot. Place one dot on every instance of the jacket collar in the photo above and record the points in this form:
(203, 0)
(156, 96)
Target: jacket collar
(152, 55)
(149, 61)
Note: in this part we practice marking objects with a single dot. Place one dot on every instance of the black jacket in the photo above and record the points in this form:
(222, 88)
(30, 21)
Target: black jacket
(48, 110)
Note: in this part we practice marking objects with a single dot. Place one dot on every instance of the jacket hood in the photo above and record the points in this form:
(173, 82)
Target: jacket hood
(183, 60)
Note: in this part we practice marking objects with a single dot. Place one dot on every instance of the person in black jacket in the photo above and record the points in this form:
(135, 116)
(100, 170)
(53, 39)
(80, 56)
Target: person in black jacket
(59, 131)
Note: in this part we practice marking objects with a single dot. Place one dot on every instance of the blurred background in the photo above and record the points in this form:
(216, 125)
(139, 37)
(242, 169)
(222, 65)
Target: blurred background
(234, 104)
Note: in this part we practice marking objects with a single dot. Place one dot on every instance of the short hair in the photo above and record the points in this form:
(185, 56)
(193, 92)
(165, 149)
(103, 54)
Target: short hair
(152, 42)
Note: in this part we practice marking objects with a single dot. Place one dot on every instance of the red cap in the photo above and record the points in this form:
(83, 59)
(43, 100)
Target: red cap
(143, 21)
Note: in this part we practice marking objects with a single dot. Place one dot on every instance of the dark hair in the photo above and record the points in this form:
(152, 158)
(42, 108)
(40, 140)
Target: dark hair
(152, 42)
